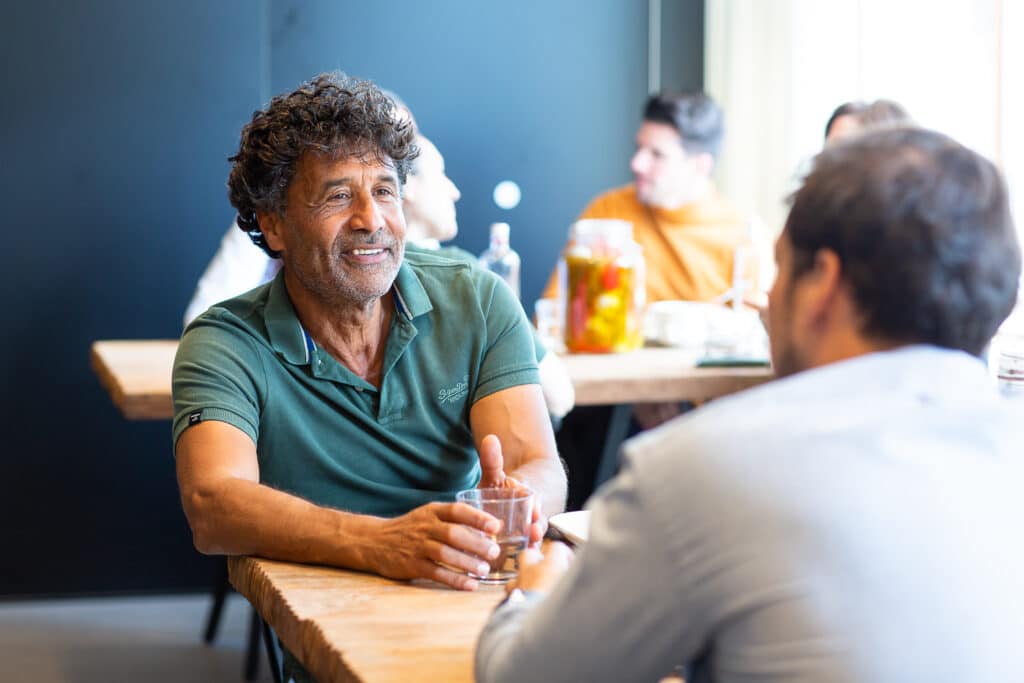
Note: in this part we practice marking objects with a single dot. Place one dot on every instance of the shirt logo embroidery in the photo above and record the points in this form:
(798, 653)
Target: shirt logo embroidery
(195, 418)
(454, 393)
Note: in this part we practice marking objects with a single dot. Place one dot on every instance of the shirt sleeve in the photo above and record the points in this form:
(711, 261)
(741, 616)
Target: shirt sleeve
(218, 375)
(621, 613)
(510, 357)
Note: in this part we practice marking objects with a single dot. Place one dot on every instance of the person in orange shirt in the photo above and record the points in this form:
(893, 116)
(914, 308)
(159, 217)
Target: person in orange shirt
(691, 238)
(690, 235)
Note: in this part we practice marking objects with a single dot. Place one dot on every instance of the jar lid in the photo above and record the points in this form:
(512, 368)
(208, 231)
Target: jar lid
(601, 229)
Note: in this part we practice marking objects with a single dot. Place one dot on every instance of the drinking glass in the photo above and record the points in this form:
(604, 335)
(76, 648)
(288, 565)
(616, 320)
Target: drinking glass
(513, 507)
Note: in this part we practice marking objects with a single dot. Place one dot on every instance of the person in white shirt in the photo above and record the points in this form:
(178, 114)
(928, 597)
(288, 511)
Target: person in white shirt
(857, 519)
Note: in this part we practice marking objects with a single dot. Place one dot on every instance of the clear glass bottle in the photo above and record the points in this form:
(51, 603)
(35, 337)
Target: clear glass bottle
(602, 288)
(500, 258)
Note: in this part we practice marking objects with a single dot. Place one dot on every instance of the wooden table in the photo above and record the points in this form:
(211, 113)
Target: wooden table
(347, 626)
(137, 373)
(654, 374)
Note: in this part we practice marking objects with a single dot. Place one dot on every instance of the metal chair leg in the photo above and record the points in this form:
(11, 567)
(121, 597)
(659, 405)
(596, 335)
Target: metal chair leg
(618, 428)
(252, 650)
(272, 658)
(220, 590)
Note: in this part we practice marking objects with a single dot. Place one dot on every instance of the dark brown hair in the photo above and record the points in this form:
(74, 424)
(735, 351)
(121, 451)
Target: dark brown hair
(696, 117)
(923, 230)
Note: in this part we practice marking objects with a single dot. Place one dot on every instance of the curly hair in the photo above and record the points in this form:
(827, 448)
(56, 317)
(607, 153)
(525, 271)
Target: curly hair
(332, 115)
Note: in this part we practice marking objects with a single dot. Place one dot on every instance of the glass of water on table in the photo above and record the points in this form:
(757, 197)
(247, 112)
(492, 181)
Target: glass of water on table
(513, 507)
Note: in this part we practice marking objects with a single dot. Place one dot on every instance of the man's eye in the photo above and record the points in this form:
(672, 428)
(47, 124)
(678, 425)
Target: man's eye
(339, 197)
(385, 192)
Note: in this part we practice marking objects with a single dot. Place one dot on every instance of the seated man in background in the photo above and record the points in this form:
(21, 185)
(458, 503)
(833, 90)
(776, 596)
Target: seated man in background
(689, 234)
(691, 237)
(858, 520)
(856, 117)
(428, 203)
(331, 415)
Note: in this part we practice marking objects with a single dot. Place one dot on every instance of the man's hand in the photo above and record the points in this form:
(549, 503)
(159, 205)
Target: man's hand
(438, 541)
(540, 570)
(492, 465)
(492, 476)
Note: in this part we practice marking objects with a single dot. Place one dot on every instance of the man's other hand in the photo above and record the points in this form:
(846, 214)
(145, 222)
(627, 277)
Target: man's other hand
(540, 570)
(492, 476)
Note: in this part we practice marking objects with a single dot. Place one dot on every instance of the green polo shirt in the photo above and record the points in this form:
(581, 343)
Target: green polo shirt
(458, 254)
(327, 435)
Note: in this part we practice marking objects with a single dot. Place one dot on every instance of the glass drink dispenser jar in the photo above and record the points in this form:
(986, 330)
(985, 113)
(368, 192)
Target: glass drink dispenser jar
(601, 288)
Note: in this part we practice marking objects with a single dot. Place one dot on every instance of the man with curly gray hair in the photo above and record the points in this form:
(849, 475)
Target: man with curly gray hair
(330, 415)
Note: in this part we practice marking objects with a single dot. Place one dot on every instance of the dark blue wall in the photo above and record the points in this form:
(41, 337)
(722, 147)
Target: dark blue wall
(116, 120)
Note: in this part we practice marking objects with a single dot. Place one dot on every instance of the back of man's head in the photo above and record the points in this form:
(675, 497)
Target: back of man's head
(923, 232)
(695, 116)
(856, 117)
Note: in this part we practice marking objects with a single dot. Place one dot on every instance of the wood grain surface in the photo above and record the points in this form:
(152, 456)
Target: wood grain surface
(137, 375)
(654, 374)
(348, 626)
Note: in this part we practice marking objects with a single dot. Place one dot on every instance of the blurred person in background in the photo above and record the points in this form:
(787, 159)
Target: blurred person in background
(690, 236)
(688, 232)
(855, 117)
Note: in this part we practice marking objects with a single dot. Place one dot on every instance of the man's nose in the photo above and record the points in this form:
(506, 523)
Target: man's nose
(455, 194)
(366, 214)
(640, 161)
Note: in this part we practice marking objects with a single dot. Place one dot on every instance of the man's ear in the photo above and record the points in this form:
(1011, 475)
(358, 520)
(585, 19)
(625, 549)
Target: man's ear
(705, 163)
(271, 226)
(411, 188)
(821, 287)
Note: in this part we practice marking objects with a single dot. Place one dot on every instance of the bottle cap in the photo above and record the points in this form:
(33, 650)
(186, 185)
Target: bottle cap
(499, 232)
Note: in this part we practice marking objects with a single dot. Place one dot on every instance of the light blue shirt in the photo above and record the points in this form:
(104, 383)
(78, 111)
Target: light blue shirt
(863, 521)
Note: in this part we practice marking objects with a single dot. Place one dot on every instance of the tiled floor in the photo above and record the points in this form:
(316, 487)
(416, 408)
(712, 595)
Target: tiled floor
(108, 640)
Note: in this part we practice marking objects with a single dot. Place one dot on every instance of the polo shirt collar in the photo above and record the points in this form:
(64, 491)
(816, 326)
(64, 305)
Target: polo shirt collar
(411, 298)
(290, 339)
(284, 330)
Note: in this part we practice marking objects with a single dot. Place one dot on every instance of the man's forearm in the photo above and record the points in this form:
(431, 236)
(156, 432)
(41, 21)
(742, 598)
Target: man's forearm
(438, 541)
(547, 479)
(241, 517)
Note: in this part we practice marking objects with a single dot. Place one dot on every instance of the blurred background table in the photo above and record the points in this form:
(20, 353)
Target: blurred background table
(137, 374)
(654, 374)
